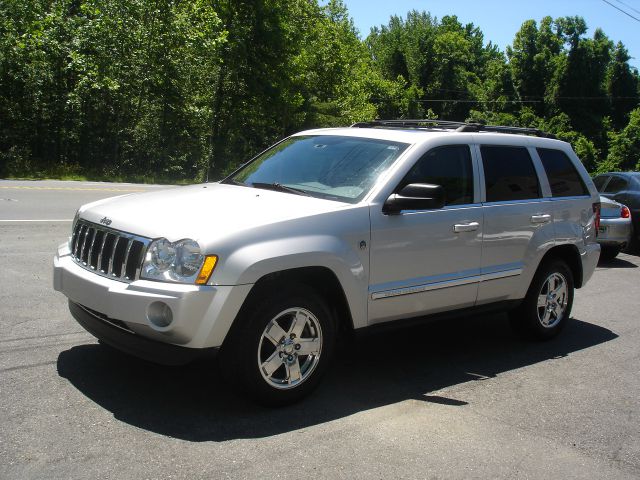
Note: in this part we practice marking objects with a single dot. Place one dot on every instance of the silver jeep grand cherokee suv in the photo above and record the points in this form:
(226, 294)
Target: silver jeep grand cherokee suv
(334, 230)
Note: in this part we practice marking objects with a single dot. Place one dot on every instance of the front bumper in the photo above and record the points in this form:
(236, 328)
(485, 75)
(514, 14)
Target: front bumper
(202, 315)
(133, 344)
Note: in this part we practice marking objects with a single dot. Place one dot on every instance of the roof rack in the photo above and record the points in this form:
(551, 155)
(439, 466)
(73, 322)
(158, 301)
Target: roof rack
(447, 124)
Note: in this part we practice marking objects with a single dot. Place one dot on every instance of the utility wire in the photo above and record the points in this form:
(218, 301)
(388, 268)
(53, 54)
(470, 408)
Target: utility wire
(628, 6)
(621, 10)
(511, 101)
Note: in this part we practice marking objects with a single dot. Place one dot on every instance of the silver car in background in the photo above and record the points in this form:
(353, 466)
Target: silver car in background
(614, 232)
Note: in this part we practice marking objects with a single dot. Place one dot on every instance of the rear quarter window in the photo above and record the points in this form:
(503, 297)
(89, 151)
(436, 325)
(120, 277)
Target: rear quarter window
(564, 179)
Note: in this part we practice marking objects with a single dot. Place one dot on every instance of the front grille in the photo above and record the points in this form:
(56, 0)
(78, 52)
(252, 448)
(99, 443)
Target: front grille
(110, 253)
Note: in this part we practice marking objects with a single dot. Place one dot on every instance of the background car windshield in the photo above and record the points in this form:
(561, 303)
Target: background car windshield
(333, 167)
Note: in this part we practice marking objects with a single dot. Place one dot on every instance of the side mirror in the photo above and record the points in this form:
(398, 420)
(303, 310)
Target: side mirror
(415, 196)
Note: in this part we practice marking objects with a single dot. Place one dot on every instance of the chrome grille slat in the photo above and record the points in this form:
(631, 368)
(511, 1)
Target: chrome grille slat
(85, 240)
(99, 262)
(93, 245)
(90, 254)
(113, 254)
(81, 231)
(74, 236)
(139, 265)
(123, 268)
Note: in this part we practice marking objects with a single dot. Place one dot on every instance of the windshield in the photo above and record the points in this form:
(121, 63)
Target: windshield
(326, 166)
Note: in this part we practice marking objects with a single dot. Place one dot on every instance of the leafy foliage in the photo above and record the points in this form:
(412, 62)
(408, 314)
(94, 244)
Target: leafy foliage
(183, 91)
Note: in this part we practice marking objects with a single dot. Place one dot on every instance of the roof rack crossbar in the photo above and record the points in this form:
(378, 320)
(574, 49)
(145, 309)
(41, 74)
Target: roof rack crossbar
(448, 124)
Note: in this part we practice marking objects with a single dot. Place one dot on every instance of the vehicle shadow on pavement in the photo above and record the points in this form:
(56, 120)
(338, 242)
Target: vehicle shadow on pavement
(616, 263)
(192, 403)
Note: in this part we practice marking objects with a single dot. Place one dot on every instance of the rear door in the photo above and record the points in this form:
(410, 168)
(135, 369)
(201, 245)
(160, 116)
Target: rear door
(517, 221)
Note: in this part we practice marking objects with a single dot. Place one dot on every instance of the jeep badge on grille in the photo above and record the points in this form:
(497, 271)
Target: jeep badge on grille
(106, 221)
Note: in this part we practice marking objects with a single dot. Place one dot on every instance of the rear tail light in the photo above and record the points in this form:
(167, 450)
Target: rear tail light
(624, 212)
(596, 211)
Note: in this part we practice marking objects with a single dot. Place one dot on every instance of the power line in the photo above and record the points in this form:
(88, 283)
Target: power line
(628, 6)
(511, 101)
(621, 10)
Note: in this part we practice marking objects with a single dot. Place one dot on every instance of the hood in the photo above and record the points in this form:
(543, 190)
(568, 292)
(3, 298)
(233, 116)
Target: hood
(202, 212)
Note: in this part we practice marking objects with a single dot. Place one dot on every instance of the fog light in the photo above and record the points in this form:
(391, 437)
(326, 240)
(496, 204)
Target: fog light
(159, 314)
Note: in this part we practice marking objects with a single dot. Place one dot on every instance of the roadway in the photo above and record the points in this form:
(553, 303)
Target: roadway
(464, 399)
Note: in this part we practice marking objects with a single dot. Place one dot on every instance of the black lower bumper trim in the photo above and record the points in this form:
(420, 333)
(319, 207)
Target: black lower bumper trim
(136, 345)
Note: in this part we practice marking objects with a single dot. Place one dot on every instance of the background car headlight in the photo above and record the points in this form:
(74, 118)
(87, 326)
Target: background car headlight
(179, 261)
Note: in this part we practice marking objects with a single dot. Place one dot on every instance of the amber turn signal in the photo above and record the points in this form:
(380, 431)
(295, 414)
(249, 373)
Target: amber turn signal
(207, 269)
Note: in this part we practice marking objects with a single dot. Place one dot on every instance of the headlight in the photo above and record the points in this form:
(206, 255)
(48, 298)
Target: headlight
(161, 256)
(180, 261)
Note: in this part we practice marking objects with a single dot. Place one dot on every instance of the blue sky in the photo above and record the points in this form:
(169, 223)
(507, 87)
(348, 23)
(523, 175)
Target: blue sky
(499, 20)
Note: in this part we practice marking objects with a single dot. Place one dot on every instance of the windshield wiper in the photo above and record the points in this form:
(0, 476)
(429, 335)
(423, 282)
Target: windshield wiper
(280, 188)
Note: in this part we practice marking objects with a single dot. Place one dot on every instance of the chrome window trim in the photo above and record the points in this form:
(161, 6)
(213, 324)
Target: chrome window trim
(516, 202)
(575, 197)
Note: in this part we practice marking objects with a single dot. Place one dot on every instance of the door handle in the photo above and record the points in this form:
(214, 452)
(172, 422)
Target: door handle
(466, 227)
(541, 218)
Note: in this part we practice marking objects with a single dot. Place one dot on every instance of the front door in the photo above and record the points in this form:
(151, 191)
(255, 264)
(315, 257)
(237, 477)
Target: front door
(424, 262)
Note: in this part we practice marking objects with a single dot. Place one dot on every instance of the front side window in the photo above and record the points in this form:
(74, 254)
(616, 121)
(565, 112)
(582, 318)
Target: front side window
(564, 179)
(449, 166)
(325, 166)
(509, 173)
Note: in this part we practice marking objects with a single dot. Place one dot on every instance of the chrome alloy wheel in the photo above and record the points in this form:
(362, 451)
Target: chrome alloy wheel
(289, 348)
(552, 300)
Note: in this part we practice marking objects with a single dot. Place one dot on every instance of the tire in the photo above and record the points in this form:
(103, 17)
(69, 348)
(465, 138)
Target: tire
(608, 253)
(543, 313)
(280, 346)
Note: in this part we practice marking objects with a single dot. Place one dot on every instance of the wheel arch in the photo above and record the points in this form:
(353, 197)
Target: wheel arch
(320, 278)
(571, 256)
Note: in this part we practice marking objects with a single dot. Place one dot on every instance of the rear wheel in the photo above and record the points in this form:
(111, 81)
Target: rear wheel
(281, 346)
(547, 305)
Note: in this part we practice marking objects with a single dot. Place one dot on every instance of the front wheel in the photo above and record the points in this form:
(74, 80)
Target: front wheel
(282, 345)
(547, 305)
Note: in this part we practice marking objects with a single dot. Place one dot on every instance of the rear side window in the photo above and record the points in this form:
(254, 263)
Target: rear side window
(449, 166)
(615, 185)
(564, 179)
(509, 174)
(599, 181)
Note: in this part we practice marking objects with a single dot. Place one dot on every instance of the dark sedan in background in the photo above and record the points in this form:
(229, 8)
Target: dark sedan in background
(623, 187)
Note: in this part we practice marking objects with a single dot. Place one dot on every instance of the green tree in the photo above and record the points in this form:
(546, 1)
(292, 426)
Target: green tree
(532, 59)
(579, 82)
(622, 86)
(624, 151)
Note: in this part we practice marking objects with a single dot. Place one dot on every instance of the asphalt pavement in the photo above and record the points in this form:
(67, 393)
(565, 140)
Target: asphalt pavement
(456, 399)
